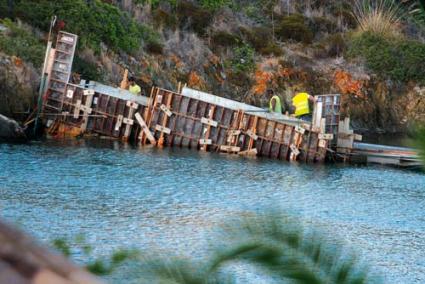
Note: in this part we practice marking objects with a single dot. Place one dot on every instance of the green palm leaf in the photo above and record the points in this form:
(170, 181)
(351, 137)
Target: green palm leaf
(275, 243)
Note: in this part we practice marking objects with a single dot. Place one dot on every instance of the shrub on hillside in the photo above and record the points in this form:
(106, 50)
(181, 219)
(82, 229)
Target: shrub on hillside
(257, 37)
(378, 16)
(94, 23)
(214, 4)
(19, 42)
(294, 27)
(261, 39)
(155, 47)
(322, 25)
(271, 49)
(243, 59)
(394, 58)
(331, 46)
(194, 17)
(164, 18)
(223, 38)
(86, 69)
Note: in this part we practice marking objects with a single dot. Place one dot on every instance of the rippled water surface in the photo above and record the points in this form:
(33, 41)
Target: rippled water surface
(171, 199)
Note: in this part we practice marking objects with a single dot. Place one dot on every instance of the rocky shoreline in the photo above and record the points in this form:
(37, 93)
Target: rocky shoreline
(11, 131)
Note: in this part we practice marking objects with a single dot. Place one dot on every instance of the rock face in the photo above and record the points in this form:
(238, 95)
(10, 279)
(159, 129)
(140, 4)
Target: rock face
(18, 85)
(10, 130)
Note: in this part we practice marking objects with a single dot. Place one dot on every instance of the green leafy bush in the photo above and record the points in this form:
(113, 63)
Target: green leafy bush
(164, 18)
(243, 60)
(322, 25)
(271, 48)
(4, 10)
(394, 58)
(331, 46)
(155, 47)
(94, 23)
(194, 17)
(86, 69)
(294, 27)
(214, 4)
(257, 37)
(21, 43)
(223, 38)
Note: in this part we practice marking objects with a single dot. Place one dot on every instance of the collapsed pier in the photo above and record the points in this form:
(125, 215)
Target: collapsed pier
(188, 118)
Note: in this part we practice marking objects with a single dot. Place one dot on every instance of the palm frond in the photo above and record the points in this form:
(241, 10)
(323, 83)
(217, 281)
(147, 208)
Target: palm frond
(172, 271)
(280, 245)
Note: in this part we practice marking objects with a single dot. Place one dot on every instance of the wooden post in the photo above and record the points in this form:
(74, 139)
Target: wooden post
(86, 108)
(147, 116)
(209, 122)
(145, 130)
(163, 127)
(128, 121)
(253, 132)
(345, 137)
(124, 82)
(295, 147)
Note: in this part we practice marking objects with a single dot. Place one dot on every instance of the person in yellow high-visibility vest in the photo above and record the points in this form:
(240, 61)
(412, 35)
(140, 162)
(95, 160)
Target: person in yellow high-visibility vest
(133, 87)
(302, 108)
(275, 105)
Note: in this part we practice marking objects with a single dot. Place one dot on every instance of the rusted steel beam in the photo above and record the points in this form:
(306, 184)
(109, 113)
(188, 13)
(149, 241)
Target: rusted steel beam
(195, 121)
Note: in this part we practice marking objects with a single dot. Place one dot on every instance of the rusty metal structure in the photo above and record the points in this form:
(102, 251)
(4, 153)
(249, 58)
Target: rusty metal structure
(188, 118)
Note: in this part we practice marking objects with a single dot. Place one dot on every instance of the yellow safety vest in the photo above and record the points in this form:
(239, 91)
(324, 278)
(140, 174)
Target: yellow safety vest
(135, 89)
(277, 106)
(300, 102)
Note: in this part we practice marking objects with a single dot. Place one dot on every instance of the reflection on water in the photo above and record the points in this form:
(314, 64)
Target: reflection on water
(171, 199)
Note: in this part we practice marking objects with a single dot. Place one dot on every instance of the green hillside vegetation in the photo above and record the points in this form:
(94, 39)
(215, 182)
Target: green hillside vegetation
(20, 42)
(95, 23)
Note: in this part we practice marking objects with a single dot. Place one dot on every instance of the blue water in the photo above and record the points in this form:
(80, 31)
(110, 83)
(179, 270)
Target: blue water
(172, 199)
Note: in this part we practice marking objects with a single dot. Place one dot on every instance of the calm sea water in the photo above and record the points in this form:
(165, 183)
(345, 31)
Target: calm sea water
(172, 199)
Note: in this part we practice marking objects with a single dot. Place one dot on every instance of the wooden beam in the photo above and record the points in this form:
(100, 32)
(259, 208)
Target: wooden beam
(145, 130)
(77, 109)
(162, 129)
(323, 143)
(230, 149)
(323, 136)
(124, 82)
(252, 135)
(210, 123)
(249, 153)
(165, 121)
(87, 110)
(253, 131)
(165, 110)
(299, 129)
(129, 119)
(118, 124)
(205, 141)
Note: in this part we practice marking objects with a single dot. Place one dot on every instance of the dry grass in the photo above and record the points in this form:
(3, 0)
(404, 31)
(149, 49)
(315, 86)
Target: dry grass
(378, 16)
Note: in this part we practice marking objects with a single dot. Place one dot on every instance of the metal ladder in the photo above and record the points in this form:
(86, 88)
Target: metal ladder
(61, 70)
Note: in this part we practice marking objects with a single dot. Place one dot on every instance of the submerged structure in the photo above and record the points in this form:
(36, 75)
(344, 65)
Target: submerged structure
(186, 117)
